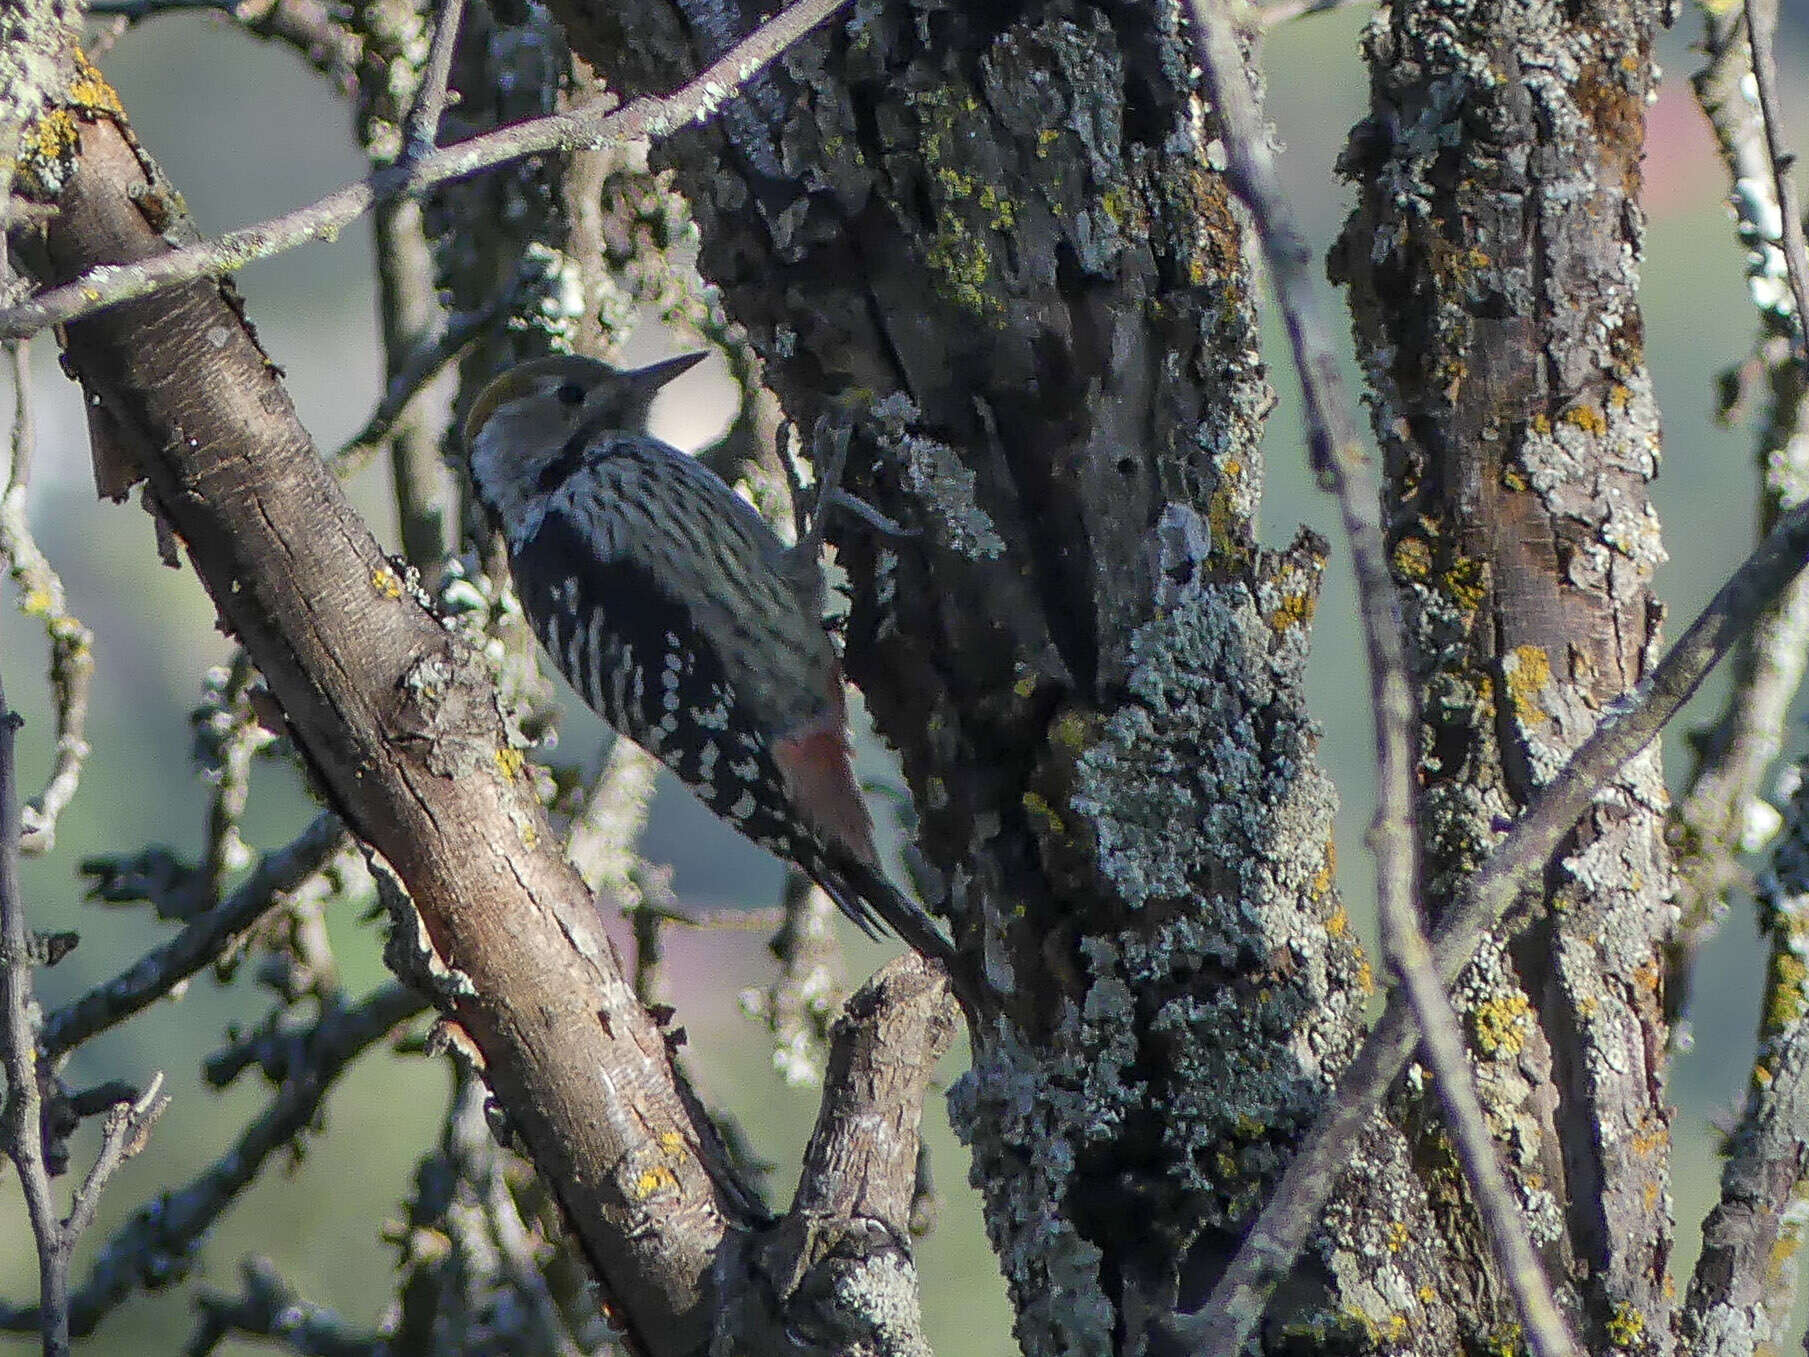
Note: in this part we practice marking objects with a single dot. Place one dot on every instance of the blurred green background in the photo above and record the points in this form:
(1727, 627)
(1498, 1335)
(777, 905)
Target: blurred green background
(246, 132)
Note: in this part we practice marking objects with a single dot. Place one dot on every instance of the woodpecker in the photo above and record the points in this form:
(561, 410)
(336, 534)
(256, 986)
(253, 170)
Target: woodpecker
(679, 616)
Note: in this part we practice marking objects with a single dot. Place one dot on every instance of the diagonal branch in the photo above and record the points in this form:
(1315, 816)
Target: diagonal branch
(422, 129)
(201, 942)
(593, 125)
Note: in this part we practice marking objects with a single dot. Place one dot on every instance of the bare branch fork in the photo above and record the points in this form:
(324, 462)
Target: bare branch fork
(1338, 455)
(593, 125)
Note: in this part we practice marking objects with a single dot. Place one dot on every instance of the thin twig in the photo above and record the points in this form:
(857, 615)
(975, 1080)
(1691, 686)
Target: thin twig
(658, 906)
(1285, 11)
(1761, 30)
(426, 363)
(228, 735)
(204, 940)
(1269, 1251)
(267, 1306)
(122, 1136)
(1339, 456)
(422, 128)
(41, 595)
(158, 1243)
(21, 1118)
(602, 836)
(804, 997)
(593, 125)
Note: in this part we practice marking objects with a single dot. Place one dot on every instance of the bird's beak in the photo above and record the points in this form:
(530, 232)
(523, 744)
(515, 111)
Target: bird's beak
(653, 377)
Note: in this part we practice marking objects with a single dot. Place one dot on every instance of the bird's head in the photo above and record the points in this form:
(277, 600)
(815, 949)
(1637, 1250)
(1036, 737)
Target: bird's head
(522, 424)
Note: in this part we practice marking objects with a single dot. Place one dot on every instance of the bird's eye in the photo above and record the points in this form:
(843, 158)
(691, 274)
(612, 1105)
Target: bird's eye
(570, 393)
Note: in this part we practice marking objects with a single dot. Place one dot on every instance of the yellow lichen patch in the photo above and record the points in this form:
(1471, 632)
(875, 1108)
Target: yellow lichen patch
(1294, 610)
(1466, 581)
(386, 582)
(36, 603)
(1043, 814)
(671, 1142)
(1785, 1003)
(1412, 559)
(1499, 1024)
(89, 91)
(1118, 203)
(1625, 1326)
(964, 265)
(659, 1178)
(1001, 214)
(1025, 688)
(1513, 478)
(1044, 140)
(1398, 1236)
(1074, 731)
(1449, 377)
(1527, 670)
(1541, 424)
(52, 136)
(510, 762)
(1587, 418)
(1321, 885)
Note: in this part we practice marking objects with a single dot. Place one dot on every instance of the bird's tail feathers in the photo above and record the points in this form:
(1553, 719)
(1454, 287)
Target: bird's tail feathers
(862, 892)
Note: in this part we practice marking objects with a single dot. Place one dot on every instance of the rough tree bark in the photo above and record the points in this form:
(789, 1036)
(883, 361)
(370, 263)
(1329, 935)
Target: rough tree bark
(1492, 265)
(988, 243)
(992, 244)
